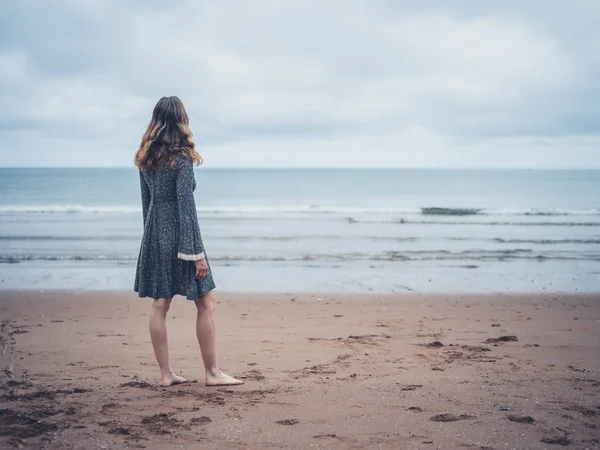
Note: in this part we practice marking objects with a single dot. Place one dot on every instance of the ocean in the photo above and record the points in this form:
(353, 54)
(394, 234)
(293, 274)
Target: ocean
(318, 230)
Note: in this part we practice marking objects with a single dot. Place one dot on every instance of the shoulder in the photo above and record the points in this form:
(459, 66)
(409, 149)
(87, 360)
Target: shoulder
(183, 162)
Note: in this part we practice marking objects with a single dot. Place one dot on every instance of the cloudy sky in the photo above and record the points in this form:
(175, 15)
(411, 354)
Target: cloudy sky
(297, 83)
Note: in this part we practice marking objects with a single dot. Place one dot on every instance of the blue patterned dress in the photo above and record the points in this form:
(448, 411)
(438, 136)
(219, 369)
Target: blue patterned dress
(171, 242)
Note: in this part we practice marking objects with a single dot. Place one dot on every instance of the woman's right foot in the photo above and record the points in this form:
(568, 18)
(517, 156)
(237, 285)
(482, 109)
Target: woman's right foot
(171, 379)
(221, 379)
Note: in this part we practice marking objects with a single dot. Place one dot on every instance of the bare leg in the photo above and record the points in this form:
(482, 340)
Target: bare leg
(158, 336)
(205, 330)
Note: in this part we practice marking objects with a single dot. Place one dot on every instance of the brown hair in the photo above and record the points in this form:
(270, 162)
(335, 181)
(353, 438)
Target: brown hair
(167, 136)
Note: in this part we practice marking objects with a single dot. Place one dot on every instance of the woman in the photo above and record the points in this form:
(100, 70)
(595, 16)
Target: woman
(172, 260)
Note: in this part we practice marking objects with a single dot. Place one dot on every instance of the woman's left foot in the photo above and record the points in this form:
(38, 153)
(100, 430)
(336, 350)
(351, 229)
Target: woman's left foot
(170, 380)
(221, 379)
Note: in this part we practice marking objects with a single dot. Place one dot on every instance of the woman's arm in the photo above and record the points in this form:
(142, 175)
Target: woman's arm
(145, 196)
(190, 241)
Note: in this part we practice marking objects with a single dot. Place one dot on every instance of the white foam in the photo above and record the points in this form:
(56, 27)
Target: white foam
(68, 209)
(294, 210)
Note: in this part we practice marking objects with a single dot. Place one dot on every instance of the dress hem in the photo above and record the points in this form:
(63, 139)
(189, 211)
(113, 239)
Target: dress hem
(140, 295)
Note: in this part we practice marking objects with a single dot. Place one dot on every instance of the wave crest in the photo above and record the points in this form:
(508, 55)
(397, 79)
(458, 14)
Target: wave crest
(309, 210)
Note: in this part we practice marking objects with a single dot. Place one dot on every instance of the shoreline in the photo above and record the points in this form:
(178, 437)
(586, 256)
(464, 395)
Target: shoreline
(312, 293)
(321, 369)
(348, 277)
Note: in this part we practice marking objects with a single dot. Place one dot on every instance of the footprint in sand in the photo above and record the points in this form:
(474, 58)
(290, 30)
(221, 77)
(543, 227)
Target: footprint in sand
(200, 420)
(412, 387)
(252, 375)
(287, 422)
(450, 417)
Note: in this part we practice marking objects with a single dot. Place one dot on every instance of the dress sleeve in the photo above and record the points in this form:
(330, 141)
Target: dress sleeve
(190, 241)
(145, 196)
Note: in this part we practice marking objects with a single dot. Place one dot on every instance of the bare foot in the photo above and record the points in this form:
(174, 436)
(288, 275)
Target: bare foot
(221, 379)
(168, 380)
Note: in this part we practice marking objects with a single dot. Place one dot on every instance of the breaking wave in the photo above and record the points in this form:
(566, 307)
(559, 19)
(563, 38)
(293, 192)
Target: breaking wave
(392, 256)
(299, 210)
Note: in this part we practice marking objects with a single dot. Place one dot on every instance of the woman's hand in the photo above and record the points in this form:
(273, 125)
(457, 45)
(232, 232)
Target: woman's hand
(201, 269)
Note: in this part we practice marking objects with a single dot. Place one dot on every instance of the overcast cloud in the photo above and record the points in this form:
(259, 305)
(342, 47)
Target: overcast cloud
(359, 83)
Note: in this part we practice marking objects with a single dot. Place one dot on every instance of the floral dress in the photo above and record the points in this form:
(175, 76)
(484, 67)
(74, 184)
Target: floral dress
(171, 243)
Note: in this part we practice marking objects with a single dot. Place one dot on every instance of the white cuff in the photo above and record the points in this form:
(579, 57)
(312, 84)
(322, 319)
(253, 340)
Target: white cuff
(187, 257)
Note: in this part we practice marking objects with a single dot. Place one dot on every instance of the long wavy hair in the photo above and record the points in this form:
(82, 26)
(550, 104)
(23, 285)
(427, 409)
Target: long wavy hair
(167, 136)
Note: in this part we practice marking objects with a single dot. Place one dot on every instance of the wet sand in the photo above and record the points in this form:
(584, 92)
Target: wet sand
(321, 371)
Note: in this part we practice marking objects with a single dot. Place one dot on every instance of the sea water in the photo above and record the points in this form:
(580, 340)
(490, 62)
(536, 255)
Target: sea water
(352, 230)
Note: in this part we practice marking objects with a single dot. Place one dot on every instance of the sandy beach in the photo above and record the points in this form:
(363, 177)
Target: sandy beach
(321, 371)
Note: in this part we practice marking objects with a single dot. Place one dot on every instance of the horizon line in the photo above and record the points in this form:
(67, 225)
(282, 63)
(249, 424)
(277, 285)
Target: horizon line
(318, 168)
